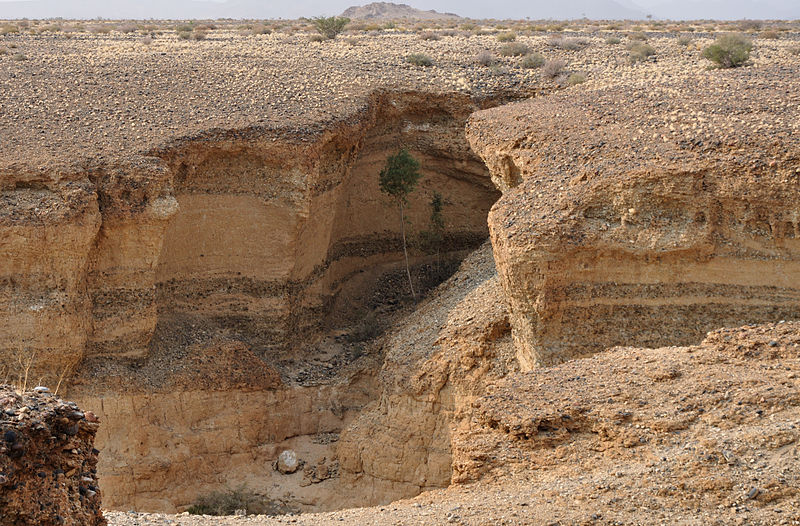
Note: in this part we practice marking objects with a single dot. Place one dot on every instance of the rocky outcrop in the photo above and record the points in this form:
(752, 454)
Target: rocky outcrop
(647, 214)
(48, 463)
(635, 435)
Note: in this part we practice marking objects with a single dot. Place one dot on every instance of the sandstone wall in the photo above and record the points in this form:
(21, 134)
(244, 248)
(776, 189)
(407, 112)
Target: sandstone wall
(252, 233)
(646, 223)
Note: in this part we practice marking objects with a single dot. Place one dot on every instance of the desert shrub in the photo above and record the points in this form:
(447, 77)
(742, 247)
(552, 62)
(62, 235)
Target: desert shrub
(556, 28)
(147, 41)
(575, 79)
(229, 502)
(316, 38)
(684, 41)
(469, 27)
(184, 35)
(639, 36)
(509, 36)
(613, 41)
(770, 35)
(199, 35)
(485, 59)
(330, 26)
(419, 59)
(532, 61)
(126, 28)
(8, 29)
(18, 57)
(568, 44)
(184, 28)
(429, 35)
(639, 52)
(750, 25)
(449, 33)
(260, 30)
(514, 49)
(729, 51)
(553, 68)
(794, 50)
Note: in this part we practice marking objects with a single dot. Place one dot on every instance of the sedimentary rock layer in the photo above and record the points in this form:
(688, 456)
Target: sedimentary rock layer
(251, 232)
(646, 214)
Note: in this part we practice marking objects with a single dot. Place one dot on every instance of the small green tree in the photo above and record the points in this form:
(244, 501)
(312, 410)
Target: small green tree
(330, 26)
(433, 238)
(729, 51)
(398, 179)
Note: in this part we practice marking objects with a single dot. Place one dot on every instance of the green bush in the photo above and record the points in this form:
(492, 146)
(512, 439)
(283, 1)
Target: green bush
(532, 61)
(330, 26)
(418, 59)
(729, 51)
(514, 49)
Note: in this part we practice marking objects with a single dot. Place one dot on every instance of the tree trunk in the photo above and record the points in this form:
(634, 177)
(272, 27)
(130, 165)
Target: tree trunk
(405, 250)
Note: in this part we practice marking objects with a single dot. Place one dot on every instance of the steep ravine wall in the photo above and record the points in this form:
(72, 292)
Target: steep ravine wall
(644, 224)
(249, 237)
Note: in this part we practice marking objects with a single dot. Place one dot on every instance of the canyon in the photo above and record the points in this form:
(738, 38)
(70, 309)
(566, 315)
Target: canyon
(233, 290)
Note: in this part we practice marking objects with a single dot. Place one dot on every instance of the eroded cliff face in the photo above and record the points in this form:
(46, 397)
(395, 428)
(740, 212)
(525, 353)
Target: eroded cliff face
(645, 215)
(248, 249)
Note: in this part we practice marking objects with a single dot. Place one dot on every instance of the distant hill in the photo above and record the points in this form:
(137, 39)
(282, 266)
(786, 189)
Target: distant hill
(391, 11)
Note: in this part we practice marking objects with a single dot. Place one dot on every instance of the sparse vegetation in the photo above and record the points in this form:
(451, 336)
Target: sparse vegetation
(684, 41)
(638, 36)
(639, 52)
(613, 41)
(419, 59)
(229, 502)
(514, 49)
(429, 35)
(553, 68)
(507, 37)
(331, 26)
(485, 59)
(532, 61)
(729, 51)
(770, 35)
(575, 79)
(568, 44)
(397, 179)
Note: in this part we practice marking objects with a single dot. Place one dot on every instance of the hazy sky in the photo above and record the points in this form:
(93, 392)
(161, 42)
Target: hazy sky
(519, 9)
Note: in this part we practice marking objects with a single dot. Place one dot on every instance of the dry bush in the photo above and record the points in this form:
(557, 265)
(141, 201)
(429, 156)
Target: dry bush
(316, 38)
(532, 61)
(576, 78)
(509, 36)
(553, 68)
(514, 49)
(770, 35)
(230, 502)
(419, 59)
(684, 41)
(639, 52)
(613, 41)
(485, 59)
(639, 36)
(568, 44)
(429, 35)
